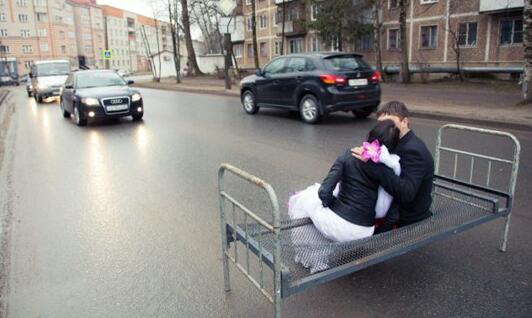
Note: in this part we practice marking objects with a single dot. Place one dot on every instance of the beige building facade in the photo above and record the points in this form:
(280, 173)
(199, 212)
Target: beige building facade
(37, 29)
(78, 30)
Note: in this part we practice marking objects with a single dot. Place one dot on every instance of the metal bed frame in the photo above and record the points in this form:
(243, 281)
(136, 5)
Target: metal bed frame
(251, 232)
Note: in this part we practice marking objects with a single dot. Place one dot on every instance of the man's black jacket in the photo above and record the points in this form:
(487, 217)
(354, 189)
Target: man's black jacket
(412, 189)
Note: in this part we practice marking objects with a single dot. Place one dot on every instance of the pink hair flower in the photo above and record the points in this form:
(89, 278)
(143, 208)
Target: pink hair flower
(371, 151)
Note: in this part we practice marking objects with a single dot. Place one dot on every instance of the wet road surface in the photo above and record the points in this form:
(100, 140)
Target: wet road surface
(120, 219)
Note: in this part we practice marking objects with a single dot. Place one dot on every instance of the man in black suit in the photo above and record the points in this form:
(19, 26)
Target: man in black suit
(411, 190)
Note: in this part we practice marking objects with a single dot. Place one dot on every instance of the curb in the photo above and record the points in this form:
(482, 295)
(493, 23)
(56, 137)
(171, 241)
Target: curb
(3, 96)
(413, 113)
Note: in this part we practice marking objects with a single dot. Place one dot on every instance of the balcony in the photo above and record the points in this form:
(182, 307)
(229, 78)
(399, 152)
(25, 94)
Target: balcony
(495, 6)
(292, 28)
(279, 2)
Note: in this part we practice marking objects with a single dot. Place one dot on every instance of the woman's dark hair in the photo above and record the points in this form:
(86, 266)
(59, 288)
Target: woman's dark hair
(386, 133)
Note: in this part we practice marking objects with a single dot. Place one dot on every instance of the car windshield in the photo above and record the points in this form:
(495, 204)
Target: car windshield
(345, 62)
(98, 79)
(50, 69)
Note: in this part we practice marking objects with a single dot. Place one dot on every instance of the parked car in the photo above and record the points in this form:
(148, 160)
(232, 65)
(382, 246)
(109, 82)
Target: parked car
(47, 78)
(8, 80)
(99, 94)
(314, 84)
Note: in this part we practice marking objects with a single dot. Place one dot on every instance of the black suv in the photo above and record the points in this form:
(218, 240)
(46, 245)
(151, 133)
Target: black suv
(315, 85)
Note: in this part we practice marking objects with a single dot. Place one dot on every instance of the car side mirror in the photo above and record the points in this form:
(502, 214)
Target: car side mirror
(69, 86)
(259, 72)
(130, 82)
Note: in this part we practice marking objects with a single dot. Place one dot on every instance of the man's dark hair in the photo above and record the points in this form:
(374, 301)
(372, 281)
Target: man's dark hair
(386, 133)
(393, 108)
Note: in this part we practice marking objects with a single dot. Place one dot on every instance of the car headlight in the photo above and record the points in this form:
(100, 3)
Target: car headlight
(90, 101)
(42, 86)
(136, 97)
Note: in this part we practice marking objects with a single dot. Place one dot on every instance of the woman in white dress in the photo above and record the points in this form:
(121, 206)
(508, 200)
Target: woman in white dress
(344, 207)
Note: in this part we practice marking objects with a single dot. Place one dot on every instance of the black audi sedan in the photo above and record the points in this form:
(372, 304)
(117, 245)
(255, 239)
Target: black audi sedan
(314, 84)
(99, 94)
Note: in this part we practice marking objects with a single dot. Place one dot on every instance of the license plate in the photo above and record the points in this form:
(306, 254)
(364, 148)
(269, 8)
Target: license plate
(115, 108)
(358, 82)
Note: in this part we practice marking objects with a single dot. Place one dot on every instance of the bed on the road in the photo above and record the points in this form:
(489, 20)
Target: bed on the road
(470, 188)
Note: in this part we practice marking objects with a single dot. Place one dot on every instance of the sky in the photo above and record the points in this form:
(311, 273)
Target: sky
(142, 7)
(135, 6)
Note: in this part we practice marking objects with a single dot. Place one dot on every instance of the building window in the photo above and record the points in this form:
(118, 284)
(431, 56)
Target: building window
(42, 17)
(263, 21)
(296, 45)
(263, 49)
(39, 3)
(27, 49)
(22, 3)
(511, 31)
(277, 47)
(467, 34)
(394, 41)
(393, 4)
(42, 33)
(293, 14)
(429, 37)
(62, 34)
(63, 49)
(248, 2)
(315, 45)
(249, 24)
(365, 42)
(250, 50)
(71, 35)
(25, 33)
(428, 1)
(27, 64)
(314, 12)
(58, 19)
(4, 49)
(237, 50)
(3, 32)
(23, 18)
(44, 47)
(277, 17)
(2, 17)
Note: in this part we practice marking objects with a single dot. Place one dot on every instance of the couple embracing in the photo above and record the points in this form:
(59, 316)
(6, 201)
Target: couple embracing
(384, 184)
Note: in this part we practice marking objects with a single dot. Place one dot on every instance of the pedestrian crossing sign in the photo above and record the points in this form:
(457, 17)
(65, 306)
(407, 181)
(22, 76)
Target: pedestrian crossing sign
(107, 54)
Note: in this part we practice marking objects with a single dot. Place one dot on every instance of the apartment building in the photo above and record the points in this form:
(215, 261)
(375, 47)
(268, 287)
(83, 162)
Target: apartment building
(133, 37)
(486, 32)
(90, 35)
(37, 29)
(298, 38)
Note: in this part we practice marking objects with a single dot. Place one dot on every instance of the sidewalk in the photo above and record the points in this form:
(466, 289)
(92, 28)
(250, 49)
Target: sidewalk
(481, 103)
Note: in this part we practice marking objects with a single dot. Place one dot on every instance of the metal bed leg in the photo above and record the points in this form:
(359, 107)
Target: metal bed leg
(505, 235)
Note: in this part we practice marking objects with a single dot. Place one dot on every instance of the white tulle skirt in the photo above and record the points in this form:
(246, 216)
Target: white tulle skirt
(307, 203)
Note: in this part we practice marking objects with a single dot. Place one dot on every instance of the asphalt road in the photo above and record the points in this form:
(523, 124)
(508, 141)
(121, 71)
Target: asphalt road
(120, 219)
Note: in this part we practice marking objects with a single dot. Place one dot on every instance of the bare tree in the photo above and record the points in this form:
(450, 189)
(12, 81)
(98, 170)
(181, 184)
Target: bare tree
(283, 21)
(378, 6)
(405, 72)
(173, 16)
(254, 29)
(527, 43)
(147, 48)
(156, 13)
(188, 38)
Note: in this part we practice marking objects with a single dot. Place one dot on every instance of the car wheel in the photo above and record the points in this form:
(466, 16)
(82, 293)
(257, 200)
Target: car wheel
(137, 116)
(248, 102)
(66, 114)
(78, 117)
(29, 94)
(363, 113)
(309, 109)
